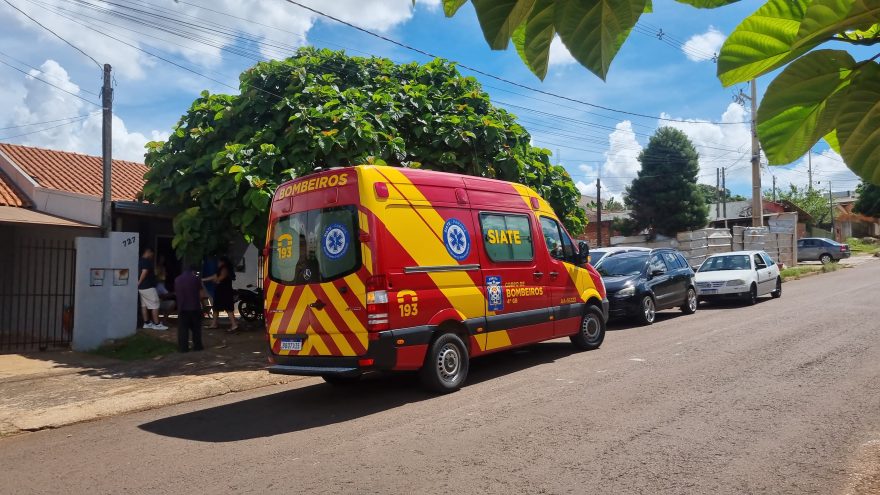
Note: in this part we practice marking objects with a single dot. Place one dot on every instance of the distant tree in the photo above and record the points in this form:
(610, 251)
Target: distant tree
(812, 201)
(626, 226)
(665, 196)
(710, 195)
(613, 205)
(869, 200)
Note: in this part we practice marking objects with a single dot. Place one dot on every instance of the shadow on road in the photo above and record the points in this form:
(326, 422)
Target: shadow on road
(731, 304)
(322, 404)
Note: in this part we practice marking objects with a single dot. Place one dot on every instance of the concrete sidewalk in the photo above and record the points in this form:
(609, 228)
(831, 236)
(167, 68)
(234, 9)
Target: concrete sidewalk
(53, 389)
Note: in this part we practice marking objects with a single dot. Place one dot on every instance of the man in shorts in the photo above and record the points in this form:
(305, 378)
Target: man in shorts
(147, 290)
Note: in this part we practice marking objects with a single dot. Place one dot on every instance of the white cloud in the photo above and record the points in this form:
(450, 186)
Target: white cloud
(40, 102)
(559, 54)
(621, 163)
(702, 47)
(828, 167)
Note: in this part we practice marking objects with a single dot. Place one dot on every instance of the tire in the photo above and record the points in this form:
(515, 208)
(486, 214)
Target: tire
(648, 311)
(592, 330)
(446, 365)
(753, 295)
(776, 294)
(826, 258)
(248, 310)
(691, 303)
(341, 381)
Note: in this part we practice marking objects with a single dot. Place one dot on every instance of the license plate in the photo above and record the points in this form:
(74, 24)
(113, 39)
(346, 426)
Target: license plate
(708, 291)
(292, 345)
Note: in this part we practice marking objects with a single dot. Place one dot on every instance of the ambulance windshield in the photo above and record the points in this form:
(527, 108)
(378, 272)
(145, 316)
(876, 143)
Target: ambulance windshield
(315, 246)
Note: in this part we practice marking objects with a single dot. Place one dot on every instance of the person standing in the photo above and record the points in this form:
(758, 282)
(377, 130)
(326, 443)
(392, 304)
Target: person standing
(224, 299)
(147, 290)
(188, 288)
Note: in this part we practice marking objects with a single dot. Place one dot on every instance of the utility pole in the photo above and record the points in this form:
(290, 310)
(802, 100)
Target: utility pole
(774, 188)
(757, 206)
(718, 193)
(810, 168)
(724, 198)
(107, 150)
(599, 211)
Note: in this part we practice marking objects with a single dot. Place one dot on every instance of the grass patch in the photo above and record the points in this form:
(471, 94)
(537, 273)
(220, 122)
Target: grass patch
(858, 246)
(799, 271)
(137, 347)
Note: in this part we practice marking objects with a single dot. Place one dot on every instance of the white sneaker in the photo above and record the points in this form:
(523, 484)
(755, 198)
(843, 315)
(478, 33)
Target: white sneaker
(149, 326)
(159, 326)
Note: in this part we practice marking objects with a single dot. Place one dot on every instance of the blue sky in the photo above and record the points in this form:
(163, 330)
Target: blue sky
(673, 77)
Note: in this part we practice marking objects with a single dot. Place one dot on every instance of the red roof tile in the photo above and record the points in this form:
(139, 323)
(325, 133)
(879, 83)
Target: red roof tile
(74, 172)
(10, 195)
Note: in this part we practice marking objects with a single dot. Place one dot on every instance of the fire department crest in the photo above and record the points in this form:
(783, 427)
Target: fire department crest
(495, 293)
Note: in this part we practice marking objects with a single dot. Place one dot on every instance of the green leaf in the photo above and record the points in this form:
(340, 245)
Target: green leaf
(789, 117)
(532, 38)
(499, 19)
(594, 31)
(826, 18)
(236, 169)
(450, 7)
(858, 122)
(831, 139)
(707, 4)
(762, 42)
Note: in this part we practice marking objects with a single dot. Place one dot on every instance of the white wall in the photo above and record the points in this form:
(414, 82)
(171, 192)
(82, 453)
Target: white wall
(108, 311)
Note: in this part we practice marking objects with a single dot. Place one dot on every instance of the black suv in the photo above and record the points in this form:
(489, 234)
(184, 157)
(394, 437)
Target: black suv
(641, 283)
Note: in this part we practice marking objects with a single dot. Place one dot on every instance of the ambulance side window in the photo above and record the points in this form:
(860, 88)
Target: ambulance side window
(558, 242)
(507, 237)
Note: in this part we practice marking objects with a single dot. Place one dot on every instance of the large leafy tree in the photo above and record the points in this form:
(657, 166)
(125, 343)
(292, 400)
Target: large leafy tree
(812, 201)
(820, 92)
(322, 108)
(664, 196)
(869, 200)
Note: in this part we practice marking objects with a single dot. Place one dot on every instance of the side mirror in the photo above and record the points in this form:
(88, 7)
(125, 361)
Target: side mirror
(583, 252)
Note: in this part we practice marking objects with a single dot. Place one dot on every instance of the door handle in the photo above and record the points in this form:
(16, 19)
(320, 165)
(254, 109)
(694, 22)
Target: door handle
(318, 304)
(539, 274)
(554, 274)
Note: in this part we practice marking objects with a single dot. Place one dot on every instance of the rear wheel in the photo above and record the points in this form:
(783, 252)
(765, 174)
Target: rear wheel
(592, 330)
(341, 381)
(826, 258)
(776, 294)
(753, 295)
(647, 311)
(446, 365)
(690, 305)
(248, 310)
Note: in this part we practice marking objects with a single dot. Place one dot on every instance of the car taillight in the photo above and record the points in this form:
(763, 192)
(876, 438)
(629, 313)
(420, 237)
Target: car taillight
(843, 248)
(377, 303)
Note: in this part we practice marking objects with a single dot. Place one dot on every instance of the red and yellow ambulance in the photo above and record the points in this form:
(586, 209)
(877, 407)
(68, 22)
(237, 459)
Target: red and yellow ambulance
(382, 268)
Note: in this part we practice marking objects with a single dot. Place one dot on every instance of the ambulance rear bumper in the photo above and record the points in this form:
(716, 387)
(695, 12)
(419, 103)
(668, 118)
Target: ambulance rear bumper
(381, 355)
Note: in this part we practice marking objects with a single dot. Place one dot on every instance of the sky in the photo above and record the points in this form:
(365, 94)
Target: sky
(665, 72)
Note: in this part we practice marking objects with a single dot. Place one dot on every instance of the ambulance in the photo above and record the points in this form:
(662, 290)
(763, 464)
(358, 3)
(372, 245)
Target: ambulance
(377, 268)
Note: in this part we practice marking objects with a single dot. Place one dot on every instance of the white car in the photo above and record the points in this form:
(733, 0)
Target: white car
(739, 275)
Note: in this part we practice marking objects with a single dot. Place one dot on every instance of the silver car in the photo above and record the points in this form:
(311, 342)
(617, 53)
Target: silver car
(821, 249)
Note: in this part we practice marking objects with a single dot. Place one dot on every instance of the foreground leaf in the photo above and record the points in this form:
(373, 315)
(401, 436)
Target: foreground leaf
(789, 117)
(450, 7)
(826, 18)
(762, 42)
(532, 39)
(858, 124)
(594, 31)
(707, 4)
(499, 19)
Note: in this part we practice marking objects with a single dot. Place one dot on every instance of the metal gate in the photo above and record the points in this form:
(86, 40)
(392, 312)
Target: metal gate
(37, 280)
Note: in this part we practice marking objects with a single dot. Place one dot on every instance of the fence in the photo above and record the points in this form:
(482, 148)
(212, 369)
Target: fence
(37, 279)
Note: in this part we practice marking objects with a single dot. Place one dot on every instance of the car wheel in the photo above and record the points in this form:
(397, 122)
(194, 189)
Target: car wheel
(648, 311)
(753, 295)
(341, 381)
(446, 365)
(776, 294)
(826, 258)
(592, 330)
(690, 305)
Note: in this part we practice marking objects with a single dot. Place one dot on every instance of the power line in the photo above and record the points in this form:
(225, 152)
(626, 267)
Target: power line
(493, 76)
(53, 32)
(42, 72)
(6, 138)
(50, 84)
(75, 117)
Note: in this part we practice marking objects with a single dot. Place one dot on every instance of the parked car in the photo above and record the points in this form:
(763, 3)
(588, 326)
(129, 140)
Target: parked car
(640, 283)
(821, 249)
(596, 255)
(744, 275)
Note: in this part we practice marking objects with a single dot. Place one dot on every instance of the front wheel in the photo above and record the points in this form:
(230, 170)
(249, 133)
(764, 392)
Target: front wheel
(690, 305)
(592, 330)
(446, 365)
(753, 295)
(776, 294)
(647, 311)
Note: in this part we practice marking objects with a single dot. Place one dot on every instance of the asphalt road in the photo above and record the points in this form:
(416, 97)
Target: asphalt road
(781, 397)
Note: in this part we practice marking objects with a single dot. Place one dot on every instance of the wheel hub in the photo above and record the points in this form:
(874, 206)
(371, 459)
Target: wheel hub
(448, 362)
(590, 327)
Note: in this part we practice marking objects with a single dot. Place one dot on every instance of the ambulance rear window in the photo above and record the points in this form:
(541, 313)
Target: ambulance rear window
(315, 246)
(507, 237)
